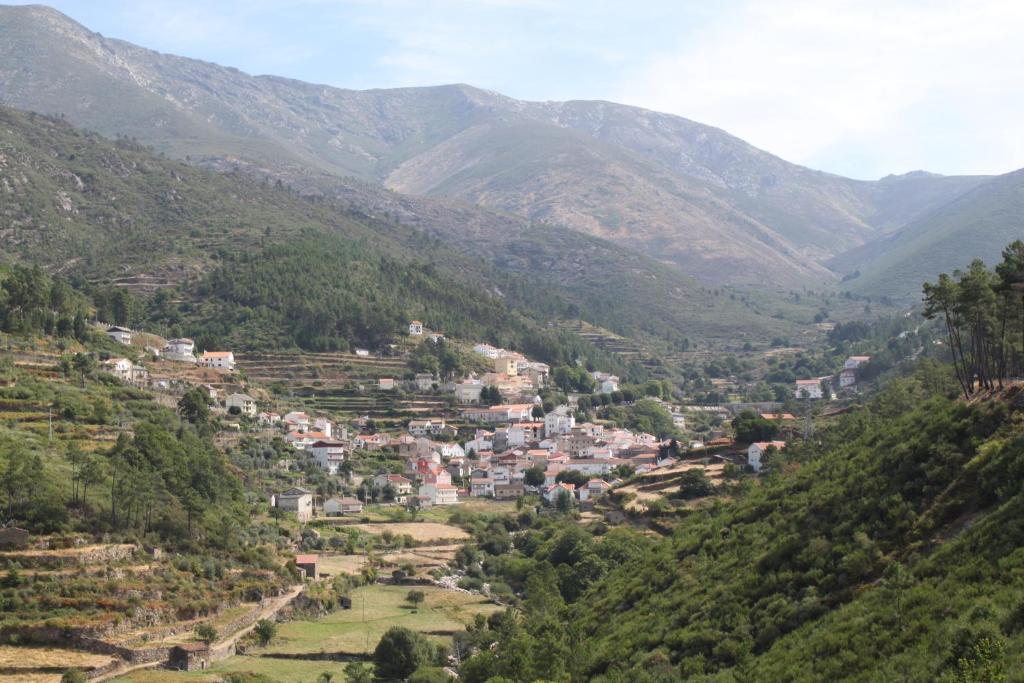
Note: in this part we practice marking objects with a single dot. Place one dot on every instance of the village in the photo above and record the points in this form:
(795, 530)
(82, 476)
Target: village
(493, 439)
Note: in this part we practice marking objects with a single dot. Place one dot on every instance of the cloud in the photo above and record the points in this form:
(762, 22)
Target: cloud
(859, 87)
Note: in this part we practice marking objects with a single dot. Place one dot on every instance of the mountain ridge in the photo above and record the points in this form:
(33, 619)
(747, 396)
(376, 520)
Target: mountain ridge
(685, 193)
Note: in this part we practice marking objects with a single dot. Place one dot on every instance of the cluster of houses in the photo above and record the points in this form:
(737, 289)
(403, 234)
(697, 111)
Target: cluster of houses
(824, 387)
(513, 455)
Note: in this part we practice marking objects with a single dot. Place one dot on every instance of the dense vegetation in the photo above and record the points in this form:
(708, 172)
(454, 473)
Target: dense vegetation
(886, 548)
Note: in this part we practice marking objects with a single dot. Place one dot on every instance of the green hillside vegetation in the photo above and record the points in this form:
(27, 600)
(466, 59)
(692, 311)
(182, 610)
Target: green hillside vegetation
(974, 225)
(885, 549)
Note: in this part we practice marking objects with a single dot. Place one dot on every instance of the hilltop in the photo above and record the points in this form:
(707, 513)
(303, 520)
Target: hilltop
(687, 194)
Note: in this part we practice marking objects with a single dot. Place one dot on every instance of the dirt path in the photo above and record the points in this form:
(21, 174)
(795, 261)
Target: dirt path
(272, 608)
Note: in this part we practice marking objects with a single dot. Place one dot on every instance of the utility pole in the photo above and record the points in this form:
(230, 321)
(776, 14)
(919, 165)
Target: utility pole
(49, 421)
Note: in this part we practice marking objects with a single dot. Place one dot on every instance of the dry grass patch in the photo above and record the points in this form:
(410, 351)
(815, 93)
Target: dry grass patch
(421, 532)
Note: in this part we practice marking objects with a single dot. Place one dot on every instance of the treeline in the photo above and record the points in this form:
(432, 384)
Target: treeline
(983, 311)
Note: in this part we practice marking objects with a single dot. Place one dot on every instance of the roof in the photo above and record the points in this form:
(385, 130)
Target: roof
(765, 444)
(192, 647)
(296, 491)
(306, 559)
(327, 444)
(863, 359)
(415, 322)
(115, 328)
(244, 397)
(181, 340)
(809, 381)
(217, 354)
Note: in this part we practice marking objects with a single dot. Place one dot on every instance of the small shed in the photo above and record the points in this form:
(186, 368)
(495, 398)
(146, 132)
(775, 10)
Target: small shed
(309, 564)
(13, 537)
(345, 602)
(190, 657)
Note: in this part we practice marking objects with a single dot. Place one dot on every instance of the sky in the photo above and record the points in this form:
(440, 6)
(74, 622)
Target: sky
(860, 88)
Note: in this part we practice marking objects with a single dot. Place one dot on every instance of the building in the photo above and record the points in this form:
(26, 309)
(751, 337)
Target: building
(122, 335)
(440, 494)
(511, 490)
(386, 384)
(757, 450)
(555, 491)
(182, 350)
(189, 657)
(339, 507)
(416, 328)
(297, 500)
(468, 392)
(808, 388)
(401, 486)
(605, 382)
(500, 414)
(559, 421)
(424, 381)
(847, 377)
(309, 564)
(427, 427)
(488, 351)
(218, 360)
(269, 419)
(120, 368)
(245, 403)
(363, 353)
(506, 365)
(13, 538)
(296, 421)
(854, 362)
(596, 488)
(329, 455)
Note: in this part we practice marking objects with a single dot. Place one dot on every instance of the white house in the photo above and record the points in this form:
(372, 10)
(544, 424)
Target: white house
(218, 360)
(297, 500)
(322, 424)
(757, 450)
(182, 349)
(122, 335)
(401, 485)
(468, 392)
(329, 455)
(559, 421)
(363, 353)
(594, 466)
(501, 414)
(245, 403)
(296, 420)
(606, 383)
(337, 507)
(808, 388)
(386, 384)
(854, 362)
(415, 328)
(426, 427)
(847, 377)
(488, 351)
(555, 491)
(120, 368)
(481, 486)
(424, 381)
(440, 494)
(269, 419)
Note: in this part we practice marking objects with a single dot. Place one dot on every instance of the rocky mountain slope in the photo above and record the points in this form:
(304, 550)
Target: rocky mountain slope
(687, 194)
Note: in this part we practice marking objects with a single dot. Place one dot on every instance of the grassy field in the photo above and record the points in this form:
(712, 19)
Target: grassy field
(281, 670)
(424, 559)
(375, 609)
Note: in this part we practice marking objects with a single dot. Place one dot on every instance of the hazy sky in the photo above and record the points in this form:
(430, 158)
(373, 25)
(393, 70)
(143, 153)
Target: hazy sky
(861, 88)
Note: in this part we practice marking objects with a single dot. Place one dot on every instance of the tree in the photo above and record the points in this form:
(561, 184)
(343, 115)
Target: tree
(265, 630)
(206, 633)
(415, 598)
(194, 406)
(534, 476)
(751, 427)
(400, 652)
(574, 477)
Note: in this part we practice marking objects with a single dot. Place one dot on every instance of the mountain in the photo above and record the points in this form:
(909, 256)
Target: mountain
(113, 213)
(684, 193)
(976, 224)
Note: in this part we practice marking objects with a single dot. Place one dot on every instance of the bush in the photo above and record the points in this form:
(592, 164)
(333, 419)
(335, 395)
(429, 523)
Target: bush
(73, 676)
(400, 652)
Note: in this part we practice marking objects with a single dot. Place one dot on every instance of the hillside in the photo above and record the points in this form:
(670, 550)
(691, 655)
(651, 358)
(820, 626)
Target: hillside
(887, 548)
(969, 226)
(72, 195)
(684, 193)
